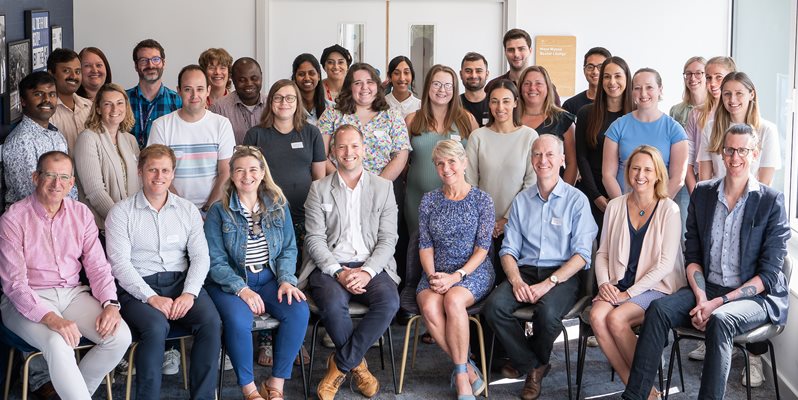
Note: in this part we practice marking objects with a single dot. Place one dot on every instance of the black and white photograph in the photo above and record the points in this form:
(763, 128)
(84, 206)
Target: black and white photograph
(56, 37)
(3, 64)
(19, 65)
(37, 29)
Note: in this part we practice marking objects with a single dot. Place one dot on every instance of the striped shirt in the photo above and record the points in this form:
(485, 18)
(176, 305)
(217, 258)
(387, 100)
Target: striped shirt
(257, 246)
(145, 111)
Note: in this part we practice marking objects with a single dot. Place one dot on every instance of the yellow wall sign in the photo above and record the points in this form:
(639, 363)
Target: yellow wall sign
(558, 55)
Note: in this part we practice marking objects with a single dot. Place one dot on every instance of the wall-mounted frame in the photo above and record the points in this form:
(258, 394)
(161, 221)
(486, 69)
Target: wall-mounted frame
(19, 66)
(3, 56)
(37, 29)
(56, 37)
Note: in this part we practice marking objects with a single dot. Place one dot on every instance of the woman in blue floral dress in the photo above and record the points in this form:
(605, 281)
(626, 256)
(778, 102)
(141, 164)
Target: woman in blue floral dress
(455, 227)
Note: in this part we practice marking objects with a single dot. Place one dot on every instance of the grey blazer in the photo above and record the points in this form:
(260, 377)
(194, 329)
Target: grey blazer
(324, 229)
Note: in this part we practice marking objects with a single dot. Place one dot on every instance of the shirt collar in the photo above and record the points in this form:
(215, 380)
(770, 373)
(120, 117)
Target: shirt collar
(752, 185)
(237, 99)
(142, 202)
(81, 102)
(558, 191)
(345, 186)
(29, 123)
(38, 208)
(141, 95)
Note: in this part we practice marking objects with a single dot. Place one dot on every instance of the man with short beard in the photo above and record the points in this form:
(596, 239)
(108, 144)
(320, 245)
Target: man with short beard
(150, 99)
(474, 74)
(71, 110)
(245, 106)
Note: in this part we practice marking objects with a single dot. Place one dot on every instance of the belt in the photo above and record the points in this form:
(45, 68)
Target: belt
(256, 268)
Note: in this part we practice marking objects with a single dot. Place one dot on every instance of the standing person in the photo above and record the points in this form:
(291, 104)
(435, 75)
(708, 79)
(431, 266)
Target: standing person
(95, 72)
(245, 106)
(729, 292)
(106, 154)
(71, 110)
(349, 257)
(361, 103)
(548, 239)
(646, 125)
(203, 141)
(739, 105)
(402, 82)
(518, 51)
(474, 73)
(47, 240)
(501, 177)
(591, 67)
(336, 61)
(441, 117)
(612, 101)
(253, 270)
(159, 256)
(306, 73)
(216, 62)
(150, 99)
(639, 259)
(539, 112)
(694, 96)
(455, 230)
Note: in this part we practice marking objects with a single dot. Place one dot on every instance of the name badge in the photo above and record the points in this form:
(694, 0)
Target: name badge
(455, 138)
(297, 145)
(380, 134)
(556, 221)
(172, 239)
(484, 121)
(326, 207)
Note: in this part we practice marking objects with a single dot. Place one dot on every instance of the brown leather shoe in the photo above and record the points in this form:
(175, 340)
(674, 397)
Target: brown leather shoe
(45, 392)
(509, 372)
(366, 383)
(531, 389)
(331, 381)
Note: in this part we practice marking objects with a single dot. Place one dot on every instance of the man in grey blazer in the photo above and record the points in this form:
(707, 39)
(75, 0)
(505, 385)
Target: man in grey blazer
(351, 224)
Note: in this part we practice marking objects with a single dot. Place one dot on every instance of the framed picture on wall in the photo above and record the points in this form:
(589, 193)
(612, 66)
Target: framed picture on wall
(19, 66)
(37, 29)
(56, 37)
(3, 58)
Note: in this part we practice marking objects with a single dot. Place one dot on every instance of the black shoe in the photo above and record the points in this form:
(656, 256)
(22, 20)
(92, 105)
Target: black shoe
(403, 317)
(45, 392)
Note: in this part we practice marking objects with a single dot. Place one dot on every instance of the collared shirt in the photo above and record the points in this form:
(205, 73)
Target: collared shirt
(38, 252)
(241, 116)
(724, 267)
(21, 151)
(548, 233)
(142, 241)
(353, 247)
(406, 106)
(145, 111)
(71, 123)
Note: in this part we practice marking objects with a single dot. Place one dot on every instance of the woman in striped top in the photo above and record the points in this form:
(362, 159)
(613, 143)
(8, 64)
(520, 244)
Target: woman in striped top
(253, 265)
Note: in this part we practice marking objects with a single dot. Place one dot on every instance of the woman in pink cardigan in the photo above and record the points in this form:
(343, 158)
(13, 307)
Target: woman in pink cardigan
(639, 259)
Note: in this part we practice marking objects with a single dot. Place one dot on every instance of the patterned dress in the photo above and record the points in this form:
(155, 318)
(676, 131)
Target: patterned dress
(452, 228)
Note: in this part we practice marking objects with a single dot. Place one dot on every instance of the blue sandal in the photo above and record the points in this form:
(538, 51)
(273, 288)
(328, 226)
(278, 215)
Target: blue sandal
(478, 386)
(461, 369)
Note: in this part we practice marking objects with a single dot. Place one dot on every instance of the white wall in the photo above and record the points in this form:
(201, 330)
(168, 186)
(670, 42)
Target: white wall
(646, 33)
(185, 28)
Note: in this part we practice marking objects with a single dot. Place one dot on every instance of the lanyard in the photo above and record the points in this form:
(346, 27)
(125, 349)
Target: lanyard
(144, 118)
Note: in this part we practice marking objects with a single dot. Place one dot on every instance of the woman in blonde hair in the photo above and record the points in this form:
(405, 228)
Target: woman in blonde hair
(639, 259)
(253, 270)
(106, 154)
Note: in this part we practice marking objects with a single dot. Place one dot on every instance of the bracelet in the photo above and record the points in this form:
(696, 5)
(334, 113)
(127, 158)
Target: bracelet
(725, 299)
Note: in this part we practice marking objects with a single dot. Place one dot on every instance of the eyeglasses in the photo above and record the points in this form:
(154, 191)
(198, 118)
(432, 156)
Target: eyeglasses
(437, 85)
(592, 67)
(288, 99)
(143, 61)
(242, 147)
(742, 151)
(52, 176)
(689, 75)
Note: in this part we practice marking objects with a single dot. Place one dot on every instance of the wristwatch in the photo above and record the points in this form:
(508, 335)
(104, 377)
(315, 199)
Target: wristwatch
(111, 303)
(462, 273)
(554, 279)
(336, 273)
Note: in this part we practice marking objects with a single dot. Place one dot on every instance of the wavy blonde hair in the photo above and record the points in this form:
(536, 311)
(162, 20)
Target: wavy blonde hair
(661, 185)
(266, 188)
(722, 116)
(709, 104)
(95, 122)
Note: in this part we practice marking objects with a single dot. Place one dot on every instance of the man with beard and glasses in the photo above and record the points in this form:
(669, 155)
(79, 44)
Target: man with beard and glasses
(245, 106)
(34, 136)
(71, 110)
(150, 99)
(474, 74)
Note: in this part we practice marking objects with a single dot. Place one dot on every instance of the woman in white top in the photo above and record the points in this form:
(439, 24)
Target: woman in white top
(401, 81)
(739, 106)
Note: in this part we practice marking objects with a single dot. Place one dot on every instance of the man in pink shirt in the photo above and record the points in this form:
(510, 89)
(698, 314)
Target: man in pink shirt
(43, 240)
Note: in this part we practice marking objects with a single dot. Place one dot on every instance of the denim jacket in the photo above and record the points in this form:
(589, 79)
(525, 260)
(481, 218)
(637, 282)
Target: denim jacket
(226, 232)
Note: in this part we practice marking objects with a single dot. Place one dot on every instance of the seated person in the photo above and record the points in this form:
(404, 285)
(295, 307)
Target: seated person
(350, 219)
(640, 257)
(46, 240)
(547, 240)
(159, 255)
(252, 269)
(455, 228)
(731, 291)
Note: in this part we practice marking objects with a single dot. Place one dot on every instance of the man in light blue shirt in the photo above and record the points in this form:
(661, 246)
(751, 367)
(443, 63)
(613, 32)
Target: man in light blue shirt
(547, 240)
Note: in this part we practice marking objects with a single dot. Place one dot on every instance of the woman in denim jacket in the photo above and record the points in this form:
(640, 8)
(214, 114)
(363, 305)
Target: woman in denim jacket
(253, 264)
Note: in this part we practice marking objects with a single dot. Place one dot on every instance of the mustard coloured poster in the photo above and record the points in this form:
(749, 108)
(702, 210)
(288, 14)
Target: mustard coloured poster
(558, 55)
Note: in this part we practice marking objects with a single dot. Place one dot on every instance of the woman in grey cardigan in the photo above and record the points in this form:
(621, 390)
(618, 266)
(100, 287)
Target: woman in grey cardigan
(106, 153)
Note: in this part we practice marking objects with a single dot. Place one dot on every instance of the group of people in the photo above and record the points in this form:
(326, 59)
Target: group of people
(205, 207)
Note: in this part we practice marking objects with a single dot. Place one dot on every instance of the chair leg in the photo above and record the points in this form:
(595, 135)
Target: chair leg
(490, 355)
(9, 368)
(312, 350)
(747, 370)
(393, 361)
(25, 374)
(674, 351)
(580, 356)
(302, 368)
(183, 362)
(775, 371)
(382, 353)
(108, 385)
(221, 371)
(413, 320)
(129, 379)
(679, 363)
(481, 337)
(415, 346)
(567, 362)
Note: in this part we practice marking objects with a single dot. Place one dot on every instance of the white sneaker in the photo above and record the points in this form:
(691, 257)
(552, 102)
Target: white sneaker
(227, 364)
(171, 362)
(592, 342)
(757, 377)
(699, 352)
(121, 368)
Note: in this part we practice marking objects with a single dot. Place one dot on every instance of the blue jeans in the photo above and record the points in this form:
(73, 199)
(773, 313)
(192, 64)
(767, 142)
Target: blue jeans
(726, 322)
(237, 320)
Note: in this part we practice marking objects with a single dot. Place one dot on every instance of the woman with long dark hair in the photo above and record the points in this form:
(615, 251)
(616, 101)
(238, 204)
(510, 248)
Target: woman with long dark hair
(306, 73)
